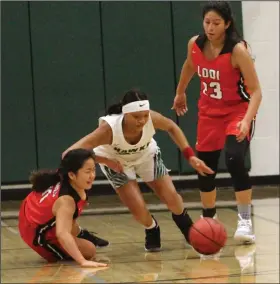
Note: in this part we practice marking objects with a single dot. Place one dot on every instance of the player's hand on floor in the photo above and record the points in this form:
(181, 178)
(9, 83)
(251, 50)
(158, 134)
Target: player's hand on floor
(89, 263)
(200, 166)
(180, 104)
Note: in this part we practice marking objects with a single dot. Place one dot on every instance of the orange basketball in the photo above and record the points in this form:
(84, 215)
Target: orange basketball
(207, 236)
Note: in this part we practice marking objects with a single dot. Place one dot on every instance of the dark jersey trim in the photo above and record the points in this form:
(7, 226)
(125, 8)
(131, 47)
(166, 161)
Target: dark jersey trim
(227, 48)
(241, 88)
(67, 189)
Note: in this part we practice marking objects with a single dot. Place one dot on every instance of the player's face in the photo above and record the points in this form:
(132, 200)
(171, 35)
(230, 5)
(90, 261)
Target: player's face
(137, 119)
(214, 26)
(85, 175)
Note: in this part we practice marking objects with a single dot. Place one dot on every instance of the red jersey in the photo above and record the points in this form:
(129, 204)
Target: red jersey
(222, 88)
(37, 222)
(38, 205)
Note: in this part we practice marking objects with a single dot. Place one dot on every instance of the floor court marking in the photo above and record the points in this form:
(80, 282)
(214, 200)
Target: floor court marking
(91, 275)
(124, 210)
(99, 280)
(258, 216)
(268, 272)
(11, 229)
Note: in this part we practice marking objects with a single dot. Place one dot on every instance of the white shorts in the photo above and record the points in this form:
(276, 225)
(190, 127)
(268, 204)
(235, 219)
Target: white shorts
(150, 170)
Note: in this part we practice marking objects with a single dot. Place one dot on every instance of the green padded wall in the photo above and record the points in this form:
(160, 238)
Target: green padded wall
(84, 56)
(68, 77)
(18, 131)
(138, 53)
(187, 23)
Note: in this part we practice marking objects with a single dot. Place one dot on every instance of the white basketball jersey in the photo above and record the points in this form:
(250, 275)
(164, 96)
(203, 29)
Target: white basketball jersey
(120, 149)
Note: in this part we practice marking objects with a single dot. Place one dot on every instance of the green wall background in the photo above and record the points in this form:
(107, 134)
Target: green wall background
(63, 63)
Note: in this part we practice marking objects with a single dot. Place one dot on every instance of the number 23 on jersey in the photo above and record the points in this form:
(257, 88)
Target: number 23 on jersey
(215, 92)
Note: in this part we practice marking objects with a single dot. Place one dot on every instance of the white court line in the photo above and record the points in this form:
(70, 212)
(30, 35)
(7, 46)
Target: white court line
(98, 182)
(121, 209)
(12, 230)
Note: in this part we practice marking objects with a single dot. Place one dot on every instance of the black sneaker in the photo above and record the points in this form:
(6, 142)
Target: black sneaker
(98, 242)
(152, 241)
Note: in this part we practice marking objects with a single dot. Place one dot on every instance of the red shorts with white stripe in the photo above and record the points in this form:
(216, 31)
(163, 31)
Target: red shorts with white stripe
(47, 245)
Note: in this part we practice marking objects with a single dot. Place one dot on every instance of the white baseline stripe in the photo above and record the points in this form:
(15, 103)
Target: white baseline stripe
(12, 230)
(122, 209)
(98, 182)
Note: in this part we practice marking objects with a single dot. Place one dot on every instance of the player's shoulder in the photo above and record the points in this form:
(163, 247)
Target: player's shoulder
(155, 115)
(240, 48)
(106, 123)
(198, 40)
(192, 40)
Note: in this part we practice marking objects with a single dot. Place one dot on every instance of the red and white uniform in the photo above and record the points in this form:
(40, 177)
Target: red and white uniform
(223, 99)
(37, 222)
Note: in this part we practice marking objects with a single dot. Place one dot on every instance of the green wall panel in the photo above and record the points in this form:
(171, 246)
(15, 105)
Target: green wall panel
(138, 52)
(18, 156)
(144, 46)
(68, 77)
(187, 23)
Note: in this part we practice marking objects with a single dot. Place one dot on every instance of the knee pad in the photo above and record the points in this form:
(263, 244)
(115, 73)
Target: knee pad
(211, 159)
(206, 183)
(235, 160)
(238, 172)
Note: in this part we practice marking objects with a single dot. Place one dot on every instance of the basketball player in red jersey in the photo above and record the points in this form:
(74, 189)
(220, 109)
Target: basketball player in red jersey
(47, 217)
(227, 110)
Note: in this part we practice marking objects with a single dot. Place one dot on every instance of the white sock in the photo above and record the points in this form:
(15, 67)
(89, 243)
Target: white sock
(152, 226)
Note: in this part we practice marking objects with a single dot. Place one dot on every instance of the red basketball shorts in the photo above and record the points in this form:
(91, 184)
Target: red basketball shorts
(212, 131)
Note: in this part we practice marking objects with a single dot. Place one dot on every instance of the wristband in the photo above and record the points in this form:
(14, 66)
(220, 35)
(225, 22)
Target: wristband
(188, 152)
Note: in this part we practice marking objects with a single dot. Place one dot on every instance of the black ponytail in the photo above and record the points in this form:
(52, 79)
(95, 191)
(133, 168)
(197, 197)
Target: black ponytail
(130, 96)
(71, 162)
(43, 179)
(233, 33)
(114, 109)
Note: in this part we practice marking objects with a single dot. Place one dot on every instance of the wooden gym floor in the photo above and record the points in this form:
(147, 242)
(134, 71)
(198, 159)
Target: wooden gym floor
(176, 263)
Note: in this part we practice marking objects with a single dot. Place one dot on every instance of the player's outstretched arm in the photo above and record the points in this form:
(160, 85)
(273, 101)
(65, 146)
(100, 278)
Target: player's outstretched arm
(163, 123)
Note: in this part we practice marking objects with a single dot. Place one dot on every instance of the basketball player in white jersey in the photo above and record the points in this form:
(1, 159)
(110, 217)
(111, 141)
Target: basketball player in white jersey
(126, 135)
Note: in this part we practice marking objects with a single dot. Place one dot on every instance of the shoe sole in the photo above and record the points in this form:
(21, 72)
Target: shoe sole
(102, 246)
(153, 249)
(246, 240)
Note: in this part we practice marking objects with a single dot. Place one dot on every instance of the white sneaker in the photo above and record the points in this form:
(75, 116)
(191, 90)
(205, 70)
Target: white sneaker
(244, 232)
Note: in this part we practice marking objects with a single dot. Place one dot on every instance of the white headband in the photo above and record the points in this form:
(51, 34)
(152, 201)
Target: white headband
(136, 106)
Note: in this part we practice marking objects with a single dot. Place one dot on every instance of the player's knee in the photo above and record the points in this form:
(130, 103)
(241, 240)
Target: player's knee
(241, 181)
(90, 251)
(206, 183)
(235, 162)
(236, 167)
(235, 154)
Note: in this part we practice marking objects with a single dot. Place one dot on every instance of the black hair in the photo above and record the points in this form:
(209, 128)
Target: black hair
(129, 97)
(72, 162)
(223, 8)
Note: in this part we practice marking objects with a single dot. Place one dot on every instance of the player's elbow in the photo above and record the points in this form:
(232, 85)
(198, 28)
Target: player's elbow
(257, 94)
(171, 126)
